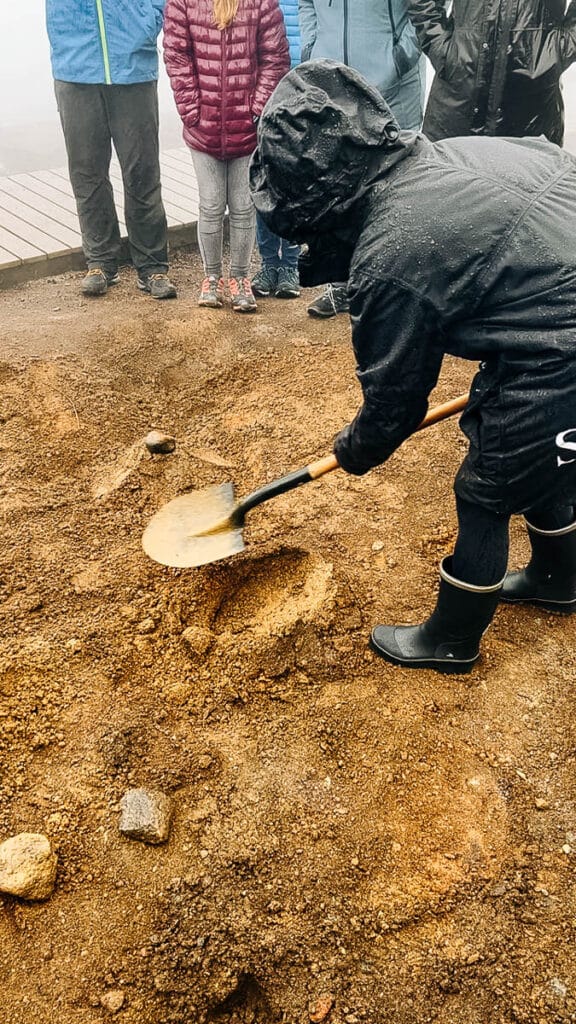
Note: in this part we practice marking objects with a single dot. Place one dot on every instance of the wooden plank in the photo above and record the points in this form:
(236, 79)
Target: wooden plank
(59, 198)
(19, 247)
(38, 202)
(8, 259)
(37, 219)
(59, 181)
(183, 155)
(41, 240)
(181, 188)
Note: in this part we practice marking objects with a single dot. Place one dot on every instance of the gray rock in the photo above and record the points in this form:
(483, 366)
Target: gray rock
(28, 866)
(145, 815)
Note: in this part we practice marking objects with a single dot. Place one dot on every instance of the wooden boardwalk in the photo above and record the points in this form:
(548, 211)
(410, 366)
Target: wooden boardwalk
(39, 230)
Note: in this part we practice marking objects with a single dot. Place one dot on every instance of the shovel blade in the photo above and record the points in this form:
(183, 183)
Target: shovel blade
(178, 535)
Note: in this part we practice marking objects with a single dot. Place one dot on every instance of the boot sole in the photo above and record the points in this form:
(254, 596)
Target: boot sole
(445, 667)
(287, 295)
(320, 316)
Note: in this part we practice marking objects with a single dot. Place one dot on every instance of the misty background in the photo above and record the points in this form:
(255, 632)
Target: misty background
(30, 134)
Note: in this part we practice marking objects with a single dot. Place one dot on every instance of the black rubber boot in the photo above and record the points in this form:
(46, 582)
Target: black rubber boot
(449, 641)
(549, 579)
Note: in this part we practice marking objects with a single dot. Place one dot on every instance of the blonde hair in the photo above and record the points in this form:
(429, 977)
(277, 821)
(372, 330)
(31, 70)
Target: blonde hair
(224, 12)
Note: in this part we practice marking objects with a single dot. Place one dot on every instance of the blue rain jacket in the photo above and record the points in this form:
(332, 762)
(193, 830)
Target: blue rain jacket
(111, 42)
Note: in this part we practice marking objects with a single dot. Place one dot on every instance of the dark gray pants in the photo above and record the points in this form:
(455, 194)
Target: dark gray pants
(93, 118)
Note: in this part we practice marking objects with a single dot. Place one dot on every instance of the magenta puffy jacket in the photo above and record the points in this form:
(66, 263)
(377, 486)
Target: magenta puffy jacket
(222, 79)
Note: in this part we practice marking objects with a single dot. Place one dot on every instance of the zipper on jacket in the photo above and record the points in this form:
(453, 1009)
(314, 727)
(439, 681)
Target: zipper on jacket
(346, 31)
(104, 42)
(395, 36)
(223, 44)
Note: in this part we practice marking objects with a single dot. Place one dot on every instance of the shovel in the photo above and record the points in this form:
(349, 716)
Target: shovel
(205, 526)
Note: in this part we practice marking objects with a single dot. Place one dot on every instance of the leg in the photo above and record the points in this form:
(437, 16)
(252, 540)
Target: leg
(133, 116)
(289, 254)
(242, 235)
(211, 176)
(288, 276)
(268, 244)
(470, 585)
(88, 144)
(265, 280)
(242, 217)
(481, 550)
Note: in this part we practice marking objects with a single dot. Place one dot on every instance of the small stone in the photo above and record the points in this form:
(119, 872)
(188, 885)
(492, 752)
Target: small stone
(146, 626)
(28, 866)
(198, 639)
(320, 1008)
(378, 545)
(145, 815)
(113, 1000)
(159, 443)
(541, 804)
(558, 988)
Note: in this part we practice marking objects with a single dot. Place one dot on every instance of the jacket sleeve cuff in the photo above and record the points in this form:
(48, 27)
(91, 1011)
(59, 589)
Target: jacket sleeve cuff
(348, 456)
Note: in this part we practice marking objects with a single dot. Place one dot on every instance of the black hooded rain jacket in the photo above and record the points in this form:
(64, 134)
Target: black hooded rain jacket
(498, 65)
(464, 247)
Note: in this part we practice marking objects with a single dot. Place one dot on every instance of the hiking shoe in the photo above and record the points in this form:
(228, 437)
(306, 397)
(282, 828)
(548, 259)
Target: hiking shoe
(288, 286)
(333, 301)
(159, 286)
(265, 281)
(97, 281)
(212, 292)
(243, 300)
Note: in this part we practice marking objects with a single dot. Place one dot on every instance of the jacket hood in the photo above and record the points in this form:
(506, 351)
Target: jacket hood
(325, 137)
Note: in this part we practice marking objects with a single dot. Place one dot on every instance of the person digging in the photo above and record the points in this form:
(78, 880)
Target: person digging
(466, 247)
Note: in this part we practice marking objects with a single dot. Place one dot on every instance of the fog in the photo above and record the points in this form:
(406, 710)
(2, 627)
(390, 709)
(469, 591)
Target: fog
(30, 135)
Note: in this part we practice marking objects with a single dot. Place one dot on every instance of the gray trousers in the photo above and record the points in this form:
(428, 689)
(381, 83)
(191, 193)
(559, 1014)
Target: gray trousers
(93, 118)
(221, 184)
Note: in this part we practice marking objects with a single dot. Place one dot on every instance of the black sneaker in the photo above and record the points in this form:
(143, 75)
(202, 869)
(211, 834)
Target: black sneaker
(159, 286)
(288, 286)
(333, 301)
(97, 281)
(265, 281)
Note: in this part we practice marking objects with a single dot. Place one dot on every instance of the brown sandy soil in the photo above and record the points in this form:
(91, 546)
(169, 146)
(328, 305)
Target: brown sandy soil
(398, 842)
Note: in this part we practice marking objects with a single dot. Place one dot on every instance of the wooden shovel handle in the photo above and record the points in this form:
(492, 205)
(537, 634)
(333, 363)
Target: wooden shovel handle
(439, 412)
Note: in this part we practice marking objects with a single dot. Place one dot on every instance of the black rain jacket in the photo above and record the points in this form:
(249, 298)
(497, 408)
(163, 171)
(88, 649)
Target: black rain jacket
(498, 65)
(466, 247)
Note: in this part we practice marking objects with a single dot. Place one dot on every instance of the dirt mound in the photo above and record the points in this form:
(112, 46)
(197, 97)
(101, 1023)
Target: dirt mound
(352, 842)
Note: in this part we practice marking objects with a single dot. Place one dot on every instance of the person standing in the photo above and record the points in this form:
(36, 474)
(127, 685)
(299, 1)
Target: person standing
(376, 38)
(105, 67)
(498, 65)
(278, 274)
(224, 59)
